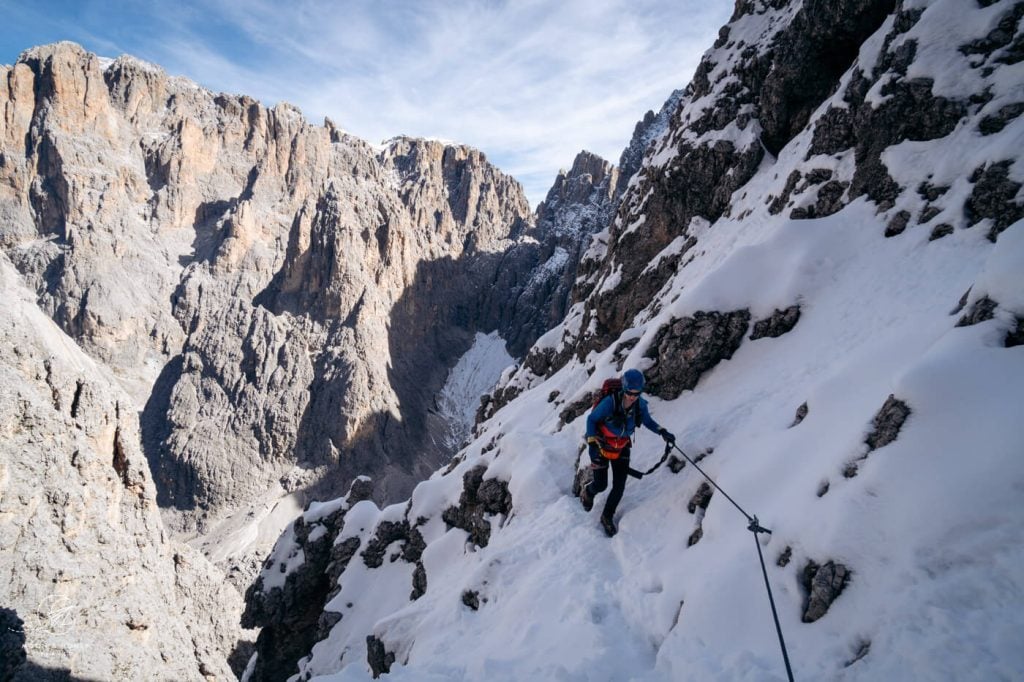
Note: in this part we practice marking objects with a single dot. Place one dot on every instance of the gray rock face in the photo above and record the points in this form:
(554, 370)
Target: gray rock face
(579, 204)
(479, 498)
(378, 657)
(273, 277)
(887, 423)
(780, 322)
(101, 590)
(685, 349)
(885, 428)
(647, 130)
(281, 301)
(994, 196)
(823, 584)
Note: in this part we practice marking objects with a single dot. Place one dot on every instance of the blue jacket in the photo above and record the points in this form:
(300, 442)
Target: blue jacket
(619, 424)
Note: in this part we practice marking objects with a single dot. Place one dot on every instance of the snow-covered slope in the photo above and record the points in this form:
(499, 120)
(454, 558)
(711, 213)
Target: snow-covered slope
(840, 338)
(474, 374)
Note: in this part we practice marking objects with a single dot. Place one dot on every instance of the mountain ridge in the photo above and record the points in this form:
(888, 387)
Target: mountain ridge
(826, 340)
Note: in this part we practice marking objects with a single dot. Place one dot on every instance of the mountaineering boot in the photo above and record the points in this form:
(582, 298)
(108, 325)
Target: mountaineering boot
(586, 499)
(609, 525)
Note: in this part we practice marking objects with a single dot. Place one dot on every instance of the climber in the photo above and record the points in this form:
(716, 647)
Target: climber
(610, 427)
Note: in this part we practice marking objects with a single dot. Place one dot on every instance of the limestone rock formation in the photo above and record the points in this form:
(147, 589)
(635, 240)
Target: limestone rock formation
(272, 277)
(102, 591)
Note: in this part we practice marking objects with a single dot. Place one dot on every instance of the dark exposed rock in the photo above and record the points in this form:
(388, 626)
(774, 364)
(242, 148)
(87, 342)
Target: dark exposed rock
(328, 619)
(927, 213)
(701, 498)
(994, 196)
(887, 423)
(646, 131)
(833, 133)
(479, 497)
(823, 488)
(930, 192)
(492, 402)
(905, 19)
(823, 585)
(994, 123)
(829, 201)
(780, 322)
(419, 582)
(780, 203)
(910, 112)
(811, 54)
(695, 536)
(785, 557)
(622, 350)
(999, 37)
(471, 598)
(675, 464)
(387, 533)
(941, 230)
(801, 413)
(413, 544)
(983, 309)
(684, 349)
(290, 616)
(1015, 337)
(575, 409)
(378, 657)
(818, 176)
(897, 224)
(700, 184)
(581, 202)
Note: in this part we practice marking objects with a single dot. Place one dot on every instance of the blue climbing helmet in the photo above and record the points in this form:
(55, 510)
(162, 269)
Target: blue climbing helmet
(633, 380)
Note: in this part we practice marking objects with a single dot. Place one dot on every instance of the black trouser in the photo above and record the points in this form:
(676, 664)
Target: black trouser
(620, 472)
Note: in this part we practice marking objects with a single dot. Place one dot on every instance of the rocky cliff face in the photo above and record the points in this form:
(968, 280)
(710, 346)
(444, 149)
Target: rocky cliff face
(259, 284)
(95, 587)
(280, 301)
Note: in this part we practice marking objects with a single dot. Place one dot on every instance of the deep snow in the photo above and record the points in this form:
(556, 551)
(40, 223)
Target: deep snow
(930, 527)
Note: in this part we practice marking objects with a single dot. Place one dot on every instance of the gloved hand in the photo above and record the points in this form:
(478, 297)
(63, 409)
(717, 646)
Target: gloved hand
(667, 435)
(594, 452)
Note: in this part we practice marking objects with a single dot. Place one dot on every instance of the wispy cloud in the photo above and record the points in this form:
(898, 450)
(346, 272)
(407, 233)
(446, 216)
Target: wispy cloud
(529, 82)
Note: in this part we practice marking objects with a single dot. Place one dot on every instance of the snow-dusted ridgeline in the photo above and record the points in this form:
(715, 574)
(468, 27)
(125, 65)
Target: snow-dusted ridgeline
(857, 371)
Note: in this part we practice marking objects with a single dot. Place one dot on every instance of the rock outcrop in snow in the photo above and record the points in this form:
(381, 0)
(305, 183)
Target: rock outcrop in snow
(99, 588)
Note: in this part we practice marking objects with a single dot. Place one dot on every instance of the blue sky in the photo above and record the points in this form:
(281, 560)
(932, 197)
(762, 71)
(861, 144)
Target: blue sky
(530, 83)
